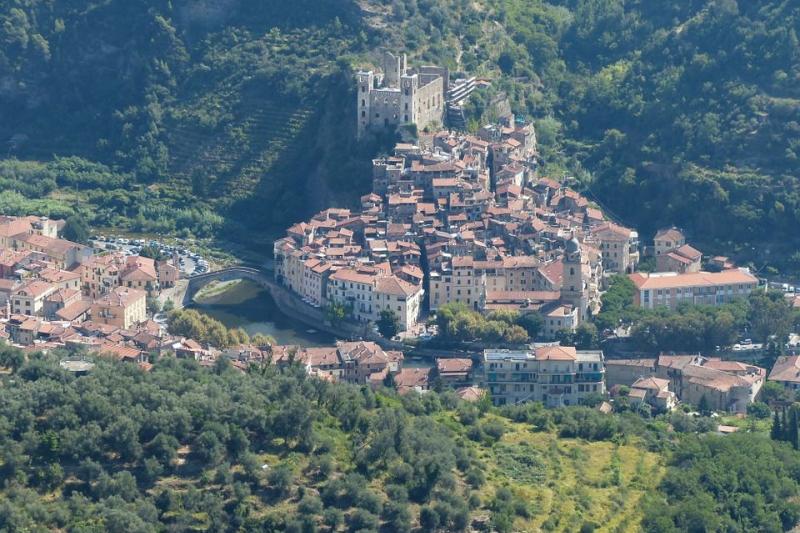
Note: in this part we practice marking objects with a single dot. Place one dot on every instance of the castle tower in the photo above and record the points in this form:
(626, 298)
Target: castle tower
(408, 92)
(573, 288)
(393, 67)
(365, 80)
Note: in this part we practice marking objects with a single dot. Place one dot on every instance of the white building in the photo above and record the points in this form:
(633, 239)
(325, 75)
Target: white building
(366, 294)
(553, 375)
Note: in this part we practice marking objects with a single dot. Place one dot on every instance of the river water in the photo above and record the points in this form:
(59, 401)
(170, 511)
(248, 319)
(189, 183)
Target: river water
(246, 305)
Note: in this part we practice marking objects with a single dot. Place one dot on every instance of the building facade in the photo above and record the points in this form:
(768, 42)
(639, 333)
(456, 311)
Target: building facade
(553, 375)
(619, 247)
(122, 307)
(668, 289)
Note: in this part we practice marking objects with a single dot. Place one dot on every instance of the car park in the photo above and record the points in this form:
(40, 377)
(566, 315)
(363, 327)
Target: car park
(188, 262)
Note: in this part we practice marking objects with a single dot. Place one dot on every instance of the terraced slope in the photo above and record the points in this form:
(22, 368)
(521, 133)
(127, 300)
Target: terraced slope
(227, 164)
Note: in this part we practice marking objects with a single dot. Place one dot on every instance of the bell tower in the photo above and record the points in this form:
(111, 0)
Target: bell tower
(574, 287)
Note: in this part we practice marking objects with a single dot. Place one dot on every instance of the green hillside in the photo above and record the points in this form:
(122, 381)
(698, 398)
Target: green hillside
(688, 110)
(184, 447)
(212, 108)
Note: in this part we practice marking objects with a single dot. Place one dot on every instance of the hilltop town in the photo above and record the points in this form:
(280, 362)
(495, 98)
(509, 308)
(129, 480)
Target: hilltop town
(456, 224)
(467, 220)
(472, 266)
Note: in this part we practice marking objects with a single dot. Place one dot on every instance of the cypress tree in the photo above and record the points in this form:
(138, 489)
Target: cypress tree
(784, 425)
(776, 433)
(704, 406)
(793, 436)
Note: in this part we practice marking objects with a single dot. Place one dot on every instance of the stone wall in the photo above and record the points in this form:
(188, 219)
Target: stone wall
(429, 104)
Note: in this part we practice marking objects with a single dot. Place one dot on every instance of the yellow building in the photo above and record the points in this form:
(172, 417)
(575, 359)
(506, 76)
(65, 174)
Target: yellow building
(122, 307)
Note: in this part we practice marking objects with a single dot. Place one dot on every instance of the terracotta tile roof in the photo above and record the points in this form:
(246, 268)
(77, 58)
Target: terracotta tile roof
(786, 368)
(411, 378)
(35, 289)
(139, 269)
(121, 297)
(689, 252)
(554, 272)
(323, 356)
(119, 351)
(692, 279)
(63, 295)
(351, 275)
(470, 394)
(651, 383)
(363, 352)
(669, 234)
(453, 365)
(679, 258)
(556, 353)
(611, 230)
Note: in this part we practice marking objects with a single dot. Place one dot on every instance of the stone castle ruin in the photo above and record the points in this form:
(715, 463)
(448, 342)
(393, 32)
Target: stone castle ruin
(400, 95)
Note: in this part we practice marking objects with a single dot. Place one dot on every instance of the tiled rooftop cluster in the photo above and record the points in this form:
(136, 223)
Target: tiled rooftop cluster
(493, 235)
(54, 292)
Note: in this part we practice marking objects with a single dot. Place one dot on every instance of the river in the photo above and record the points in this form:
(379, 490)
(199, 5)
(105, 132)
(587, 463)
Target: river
(246, 305)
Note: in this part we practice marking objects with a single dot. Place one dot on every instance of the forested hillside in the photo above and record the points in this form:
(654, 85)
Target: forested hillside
(204, 110)
(687, 110)
(189, 448)
(184, 447)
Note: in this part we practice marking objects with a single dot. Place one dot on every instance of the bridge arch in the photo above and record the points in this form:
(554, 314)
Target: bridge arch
(226, 274)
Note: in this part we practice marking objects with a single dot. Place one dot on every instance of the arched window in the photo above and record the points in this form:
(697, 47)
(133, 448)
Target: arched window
(571, 271)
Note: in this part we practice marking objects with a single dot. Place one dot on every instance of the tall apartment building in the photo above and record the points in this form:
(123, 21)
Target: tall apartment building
(469, 280)
(29, 299)
(400, 95)
(553, 375)
(122, 307)
(668, 289)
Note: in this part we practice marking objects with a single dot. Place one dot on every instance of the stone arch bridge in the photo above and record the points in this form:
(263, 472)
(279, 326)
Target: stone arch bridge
(289, 303)
(199, 281)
